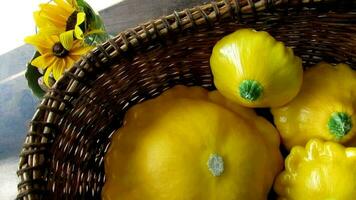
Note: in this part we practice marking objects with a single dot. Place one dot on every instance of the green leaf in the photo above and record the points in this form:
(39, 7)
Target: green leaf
(32, 75)
(91, 16)
(93, 22)
(96, 38)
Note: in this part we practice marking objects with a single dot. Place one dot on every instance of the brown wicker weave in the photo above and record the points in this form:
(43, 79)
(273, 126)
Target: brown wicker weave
(62, 156)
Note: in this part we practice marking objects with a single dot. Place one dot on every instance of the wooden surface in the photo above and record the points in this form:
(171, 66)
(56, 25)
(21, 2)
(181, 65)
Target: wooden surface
(129, 13)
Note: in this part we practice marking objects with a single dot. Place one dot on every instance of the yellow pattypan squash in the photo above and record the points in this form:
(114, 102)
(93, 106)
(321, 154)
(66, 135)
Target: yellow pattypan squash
(189, 143)
(253, 69)
(324, 108)
(320, 171)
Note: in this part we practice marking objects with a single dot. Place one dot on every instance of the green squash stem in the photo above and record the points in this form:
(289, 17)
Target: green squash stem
(250, 90)
(340, 124)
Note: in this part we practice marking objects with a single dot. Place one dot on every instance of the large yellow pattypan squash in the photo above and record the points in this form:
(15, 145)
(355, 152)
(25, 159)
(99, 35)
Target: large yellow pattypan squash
(189, 143)
(255, 70)
(324, 108)
(320, 171)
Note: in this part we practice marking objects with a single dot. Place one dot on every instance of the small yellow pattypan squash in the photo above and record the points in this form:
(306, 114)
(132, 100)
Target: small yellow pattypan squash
(253, 69)
(320, 171)
(324, 108)
(189, 143)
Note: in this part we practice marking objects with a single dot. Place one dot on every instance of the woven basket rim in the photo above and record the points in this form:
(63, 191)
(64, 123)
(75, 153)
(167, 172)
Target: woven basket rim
(33, 155)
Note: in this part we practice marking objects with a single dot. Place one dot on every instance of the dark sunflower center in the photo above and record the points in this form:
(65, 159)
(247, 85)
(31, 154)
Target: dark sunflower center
(71, 21)
(59, 51)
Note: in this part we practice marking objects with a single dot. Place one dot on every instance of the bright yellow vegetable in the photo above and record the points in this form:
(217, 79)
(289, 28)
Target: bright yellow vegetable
(255, 70)
(324, 108)
(189, 143)
(320, 171)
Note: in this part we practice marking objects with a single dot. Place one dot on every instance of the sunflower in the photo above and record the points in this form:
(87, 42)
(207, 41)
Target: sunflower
(54, 58)
(63, 18)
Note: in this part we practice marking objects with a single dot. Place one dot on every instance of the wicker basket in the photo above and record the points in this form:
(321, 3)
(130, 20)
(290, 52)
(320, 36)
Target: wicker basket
(62, 156)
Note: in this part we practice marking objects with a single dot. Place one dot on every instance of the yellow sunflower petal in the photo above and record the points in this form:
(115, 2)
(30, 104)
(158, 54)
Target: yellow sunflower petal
(66, 39)
(65, 5)
(54, 39)
(55, 68)
(40, 22)
(43, 22)
(78, 44)
(80, 18)
(46, 76)
(69, 62)
(50, 30)
(36, 40)
(78, 33)
(76, 58)
(43, 61)
(77, 30)
(59, 67)
(55, 10)
(80, 50)
(48, 12)
(54, 21)
(40, 42)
